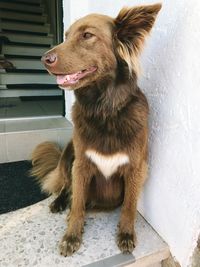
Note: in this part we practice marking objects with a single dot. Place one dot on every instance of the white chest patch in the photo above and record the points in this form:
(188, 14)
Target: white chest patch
(107, 165)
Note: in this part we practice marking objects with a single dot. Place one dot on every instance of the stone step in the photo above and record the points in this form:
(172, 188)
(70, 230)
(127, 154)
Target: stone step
(26, 78)
(22, 50)
(21, 7)
(21, 63)
(28, 38)
(19, 136)
(29, 92)
(24, 27)
(44, 231)
(12, 15)
(34, 2)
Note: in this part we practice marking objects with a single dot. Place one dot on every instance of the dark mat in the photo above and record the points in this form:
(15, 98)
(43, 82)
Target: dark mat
(17, 189)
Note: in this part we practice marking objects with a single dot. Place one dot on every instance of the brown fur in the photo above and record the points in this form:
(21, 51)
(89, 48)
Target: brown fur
(110, 116)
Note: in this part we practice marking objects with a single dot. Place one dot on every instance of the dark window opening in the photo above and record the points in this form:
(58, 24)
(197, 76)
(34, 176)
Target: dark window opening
(28, 30)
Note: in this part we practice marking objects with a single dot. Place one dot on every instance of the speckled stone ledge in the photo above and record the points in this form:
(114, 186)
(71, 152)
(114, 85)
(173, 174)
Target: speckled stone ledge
(30, 237)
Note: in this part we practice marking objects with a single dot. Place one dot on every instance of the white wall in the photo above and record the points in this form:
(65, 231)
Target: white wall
(171, 81)
(72, 10)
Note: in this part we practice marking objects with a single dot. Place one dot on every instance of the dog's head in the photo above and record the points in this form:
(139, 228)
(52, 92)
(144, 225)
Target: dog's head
(95, 45)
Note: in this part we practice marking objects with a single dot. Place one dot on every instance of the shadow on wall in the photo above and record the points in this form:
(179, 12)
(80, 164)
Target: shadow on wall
(195, 260)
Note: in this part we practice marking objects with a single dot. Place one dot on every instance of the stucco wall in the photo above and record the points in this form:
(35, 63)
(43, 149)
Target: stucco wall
(171, 81)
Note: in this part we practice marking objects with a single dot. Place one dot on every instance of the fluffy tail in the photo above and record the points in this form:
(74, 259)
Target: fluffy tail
(45, 159)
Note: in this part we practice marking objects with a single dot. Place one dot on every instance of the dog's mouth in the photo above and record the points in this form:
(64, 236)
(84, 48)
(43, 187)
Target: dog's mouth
(70, 79)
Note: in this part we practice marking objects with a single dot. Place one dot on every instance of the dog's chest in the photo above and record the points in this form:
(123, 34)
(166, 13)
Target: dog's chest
(107, 164)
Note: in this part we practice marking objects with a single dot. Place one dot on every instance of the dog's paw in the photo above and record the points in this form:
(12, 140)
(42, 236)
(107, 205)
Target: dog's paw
(126, 242)
(57, 206)
(69, 245)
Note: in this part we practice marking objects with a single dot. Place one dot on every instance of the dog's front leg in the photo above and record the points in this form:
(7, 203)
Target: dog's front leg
(80, 182)
(133, 180)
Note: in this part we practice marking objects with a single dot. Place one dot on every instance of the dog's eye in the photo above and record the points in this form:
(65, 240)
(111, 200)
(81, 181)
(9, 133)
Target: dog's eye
(87, 35)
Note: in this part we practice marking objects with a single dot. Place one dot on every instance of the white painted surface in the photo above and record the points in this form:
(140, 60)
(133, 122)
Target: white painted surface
(72, 10)
(171, 199)
(107, 164)
(171, 80)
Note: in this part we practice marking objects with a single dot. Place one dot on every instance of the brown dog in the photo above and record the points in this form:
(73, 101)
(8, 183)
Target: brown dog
(105, 164)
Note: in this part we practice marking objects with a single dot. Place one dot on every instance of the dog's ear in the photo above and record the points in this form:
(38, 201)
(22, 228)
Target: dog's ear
(131, 27)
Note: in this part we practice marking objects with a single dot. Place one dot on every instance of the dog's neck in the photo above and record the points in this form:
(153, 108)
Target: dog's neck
(107, 97)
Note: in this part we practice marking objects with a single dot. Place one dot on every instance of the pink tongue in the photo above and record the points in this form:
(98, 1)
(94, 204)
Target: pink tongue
(61, 79)
(74, 77)
(71, 78)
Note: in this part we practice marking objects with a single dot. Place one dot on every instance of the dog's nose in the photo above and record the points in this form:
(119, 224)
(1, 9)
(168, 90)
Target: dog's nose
(49, 59)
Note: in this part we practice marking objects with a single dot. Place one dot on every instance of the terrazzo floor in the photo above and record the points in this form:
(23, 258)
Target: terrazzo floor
(30, 237)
